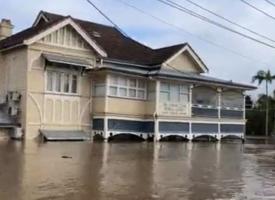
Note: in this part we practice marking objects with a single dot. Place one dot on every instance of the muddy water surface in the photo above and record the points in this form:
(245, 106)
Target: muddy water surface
(123, 171)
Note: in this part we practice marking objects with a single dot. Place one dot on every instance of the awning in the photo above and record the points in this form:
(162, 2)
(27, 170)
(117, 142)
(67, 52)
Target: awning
(64, 135)
(68, 60)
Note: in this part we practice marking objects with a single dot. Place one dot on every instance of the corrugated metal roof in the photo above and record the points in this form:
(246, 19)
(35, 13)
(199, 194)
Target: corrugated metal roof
(181, 76)
(67, 60)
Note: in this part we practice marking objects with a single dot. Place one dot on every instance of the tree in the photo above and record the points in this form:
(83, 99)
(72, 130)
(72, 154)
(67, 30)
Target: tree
(248, 102)
(267, 77)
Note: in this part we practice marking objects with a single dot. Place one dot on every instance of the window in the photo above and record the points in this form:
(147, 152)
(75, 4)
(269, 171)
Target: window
(204, 96)
(127, 87)
(122, 92)
(62, 82)
(232, 100)
(66, 83)
(58, 82)
(74, 84)
(50, 81)
(99, 89)
(171, 92)
(113, 91)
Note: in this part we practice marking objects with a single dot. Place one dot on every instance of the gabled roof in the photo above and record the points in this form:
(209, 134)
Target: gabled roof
(194, 56)
(36, 33)
(18, 38)
(116, 45)
(163, 54)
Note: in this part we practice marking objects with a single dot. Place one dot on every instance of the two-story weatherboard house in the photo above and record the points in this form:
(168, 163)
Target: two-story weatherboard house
(65, 75)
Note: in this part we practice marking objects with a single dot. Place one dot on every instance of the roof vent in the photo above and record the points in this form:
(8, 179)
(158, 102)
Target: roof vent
(96, 34)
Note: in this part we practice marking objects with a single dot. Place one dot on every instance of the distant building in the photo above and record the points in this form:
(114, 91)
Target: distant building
(68, 75)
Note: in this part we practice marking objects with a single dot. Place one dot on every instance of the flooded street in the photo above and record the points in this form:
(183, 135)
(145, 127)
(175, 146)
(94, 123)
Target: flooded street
(143, 171)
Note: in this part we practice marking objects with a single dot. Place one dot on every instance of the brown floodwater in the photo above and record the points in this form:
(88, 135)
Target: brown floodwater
(129, 171)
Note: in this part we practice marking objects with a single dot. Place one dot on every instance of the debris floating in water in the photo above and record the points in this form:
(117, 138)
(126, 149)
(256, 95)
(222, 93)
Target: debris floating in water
(67, 157)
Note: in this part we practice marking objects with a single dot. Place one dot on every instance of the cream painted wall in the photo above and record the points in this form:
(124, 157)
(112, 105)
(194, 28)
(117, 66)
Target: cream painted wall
(2, 78)
(185, 63)
(56, 112)
(13, 74)
(123, 106)
(98, 105)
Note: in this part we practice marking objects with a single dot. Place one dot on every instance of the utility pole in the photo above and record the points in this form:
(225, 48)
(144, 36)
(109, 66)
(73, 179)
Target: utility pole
(267, 111)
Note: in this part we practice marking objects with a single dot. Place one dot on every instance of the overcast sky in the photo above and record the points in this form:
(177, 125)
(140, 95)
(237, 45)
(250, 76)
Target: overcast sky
(223, 64)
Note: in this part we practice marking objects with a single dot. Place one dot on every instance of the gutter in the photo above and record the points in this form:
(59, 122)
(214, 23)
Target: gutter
(120, 62)
(145, 73)
(216, 83)
(12, 47)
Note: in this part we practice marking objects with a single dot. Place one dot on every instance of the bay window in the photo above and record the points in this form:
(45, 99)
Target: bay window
(62, 82)
(120, 86)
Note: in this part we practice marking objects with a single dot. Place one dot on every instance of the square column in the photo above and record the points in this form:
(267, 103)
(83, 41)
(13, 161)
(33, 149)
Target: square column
(244, 106)
(190, 99)
(190, 135)
(156, 113)
(105, 132)
(219, 90)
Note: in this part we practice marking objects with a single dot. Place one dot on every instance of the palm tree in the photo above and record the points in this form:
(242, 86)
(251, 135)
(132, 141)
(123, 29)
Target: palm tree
(268, 78)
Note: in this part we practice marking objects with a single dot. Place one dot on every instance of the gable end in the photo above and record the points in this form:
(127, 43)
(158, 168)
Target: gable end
(185, 59)
(67, 21)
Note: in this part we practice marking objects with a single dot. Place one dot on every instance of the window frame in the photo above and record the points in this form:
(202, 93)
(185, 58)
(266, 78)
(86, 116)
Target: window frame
(117, 84)
(232, 104)
(180, 93)
(62, 74)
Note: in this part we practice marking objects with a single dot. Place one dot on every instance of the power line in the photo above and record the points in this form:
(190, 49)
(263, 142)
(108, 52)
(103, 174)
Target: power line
(203, 18)
(108, 18)
(187, 32)
(258, 9)
(270, 2)
(230, 21)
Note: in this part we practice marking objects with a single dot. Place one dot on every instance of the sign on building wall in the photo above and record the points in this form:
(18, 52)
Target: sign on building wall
(175, 109)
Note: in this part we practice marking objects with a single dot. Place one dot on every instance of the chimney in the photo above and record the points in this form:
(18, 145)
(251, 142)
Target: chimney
(5, 28)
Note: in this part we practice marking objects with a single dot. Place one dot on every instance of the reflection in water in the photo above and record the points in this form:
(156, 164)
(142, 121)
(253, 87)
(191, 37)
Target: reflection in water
(136, 171)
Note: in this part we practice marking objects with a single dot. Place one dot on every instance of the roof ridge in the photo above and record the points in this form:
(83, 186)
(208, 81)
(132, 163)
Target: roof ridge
(82, 20)
(113, 27)
(116, 44)
(104, 25)
(172, 46)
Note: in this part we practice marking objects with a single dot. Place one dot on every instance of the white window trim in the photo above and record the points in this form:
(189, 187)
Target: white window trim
(71, 73)
(181, 92)
(127, 87)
